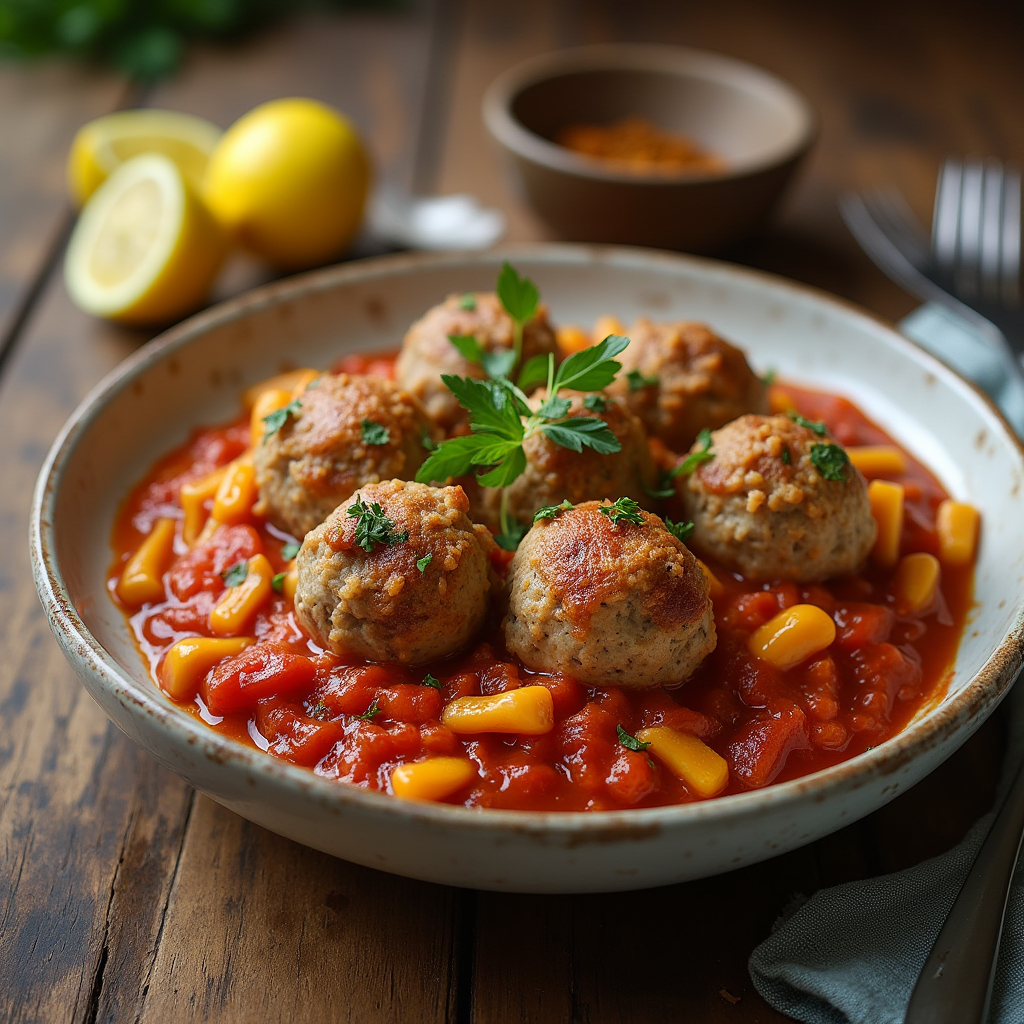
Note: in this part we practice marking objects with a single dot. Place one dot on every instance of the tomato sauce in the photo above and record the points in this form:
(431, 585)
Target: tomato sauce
(355, 721)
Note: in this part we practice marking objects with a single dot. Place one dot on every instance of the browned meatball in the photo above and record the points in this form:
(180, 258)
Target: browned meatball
(347, 431)
(609, 603)
(701, 381)
(554, 473)
(779, 501)
(420, 594)
(427, 352)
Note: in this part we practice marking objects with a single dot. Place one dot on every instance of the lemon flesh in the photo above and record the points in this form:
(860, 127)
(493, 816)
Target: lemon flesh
(289, 181)
(101, 146)
(145, 250)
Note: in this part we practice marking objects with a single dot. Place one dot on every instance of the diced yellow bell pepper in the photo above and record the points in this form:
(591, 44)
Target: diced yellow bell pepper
(294, 382)
(780, 401)
(714, 583)
(878, 460)
(187, 662)
(269, 401)
(916, 583)
(528, 711)
(957, 525)
(192, 496)
(237, 606)
(572, 339)
(142, 579)
(289, 583)
(793, 636)
(688, 758)
(887, 508)
(605, 325)
(236, 492)
(433, 779)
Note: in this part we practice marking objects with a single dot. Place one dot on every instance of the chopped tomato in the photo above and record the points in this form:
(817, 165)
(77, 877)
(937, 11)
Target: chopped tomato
(201, 568)
(260, 671)
(293, 735)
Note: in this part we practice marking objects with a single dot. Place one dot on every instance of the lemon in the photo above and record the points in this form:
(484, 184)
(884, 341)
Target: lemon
(145, 249)
(288, 180)
(101, 146)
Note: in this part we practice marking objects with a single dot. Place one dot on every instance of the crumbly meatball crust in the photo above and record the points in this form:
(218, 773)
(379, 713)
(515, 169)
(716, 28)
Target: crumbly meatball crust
(318, 457)
(703, 381)
(761, 507)
(554, 473)
(609, 604)
(427, 352)
(379, 605)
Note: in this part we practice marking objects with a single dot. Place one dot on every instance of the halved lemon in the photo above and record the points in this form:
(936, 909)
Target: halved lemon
(145, 249)
(101, 146)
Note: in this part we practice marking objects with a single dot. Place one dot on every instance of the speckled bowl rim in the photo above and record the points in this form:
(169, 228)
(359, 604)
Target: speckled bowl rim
(978, 696)
(513, 134)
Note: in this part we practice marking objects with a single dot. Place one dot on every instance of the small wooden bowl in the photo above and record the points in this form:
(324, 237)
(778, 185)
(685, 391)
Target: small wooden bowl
(760, 126)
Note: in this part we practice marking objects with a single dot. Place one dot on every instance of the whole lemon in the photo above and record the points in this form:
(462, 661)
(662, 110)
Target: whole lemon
(288, 181)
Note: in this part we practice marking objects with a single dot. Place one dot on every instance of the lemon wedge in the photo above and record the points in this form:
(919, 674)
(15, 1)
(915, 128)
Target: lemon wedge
(101, 146)
(145, 249)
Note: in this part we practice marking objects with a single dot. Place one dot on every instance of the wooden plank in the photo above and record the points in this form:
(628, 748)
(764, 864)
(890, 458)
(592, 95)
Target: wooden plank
(94, 833)
(41, 107)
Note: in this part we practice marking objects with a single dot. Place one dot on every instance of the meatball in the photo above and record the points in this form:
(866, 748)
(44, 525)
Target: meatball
(554, 472)
(779, 500)
(609, 603)
(427, 352)
(347, 431)
(422, 590)
(698, 380)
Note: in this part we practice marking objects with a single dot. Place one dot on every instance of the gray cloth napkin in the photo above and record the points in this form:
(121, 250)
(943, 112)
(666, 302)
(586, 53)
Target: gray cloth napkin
(851, 954)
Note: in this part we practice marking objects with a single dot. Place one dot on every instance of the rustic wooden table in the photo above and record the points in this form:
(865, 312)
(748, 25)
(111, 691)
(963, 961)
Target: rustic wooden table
(125, 896)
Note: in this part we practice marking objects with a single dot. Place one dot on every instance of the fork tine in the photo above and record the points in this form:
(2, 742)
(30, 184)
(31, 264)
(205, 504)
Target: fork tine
(990, 241)
(1011, 237)
(892, 213)
(968, 251)
(945, 218)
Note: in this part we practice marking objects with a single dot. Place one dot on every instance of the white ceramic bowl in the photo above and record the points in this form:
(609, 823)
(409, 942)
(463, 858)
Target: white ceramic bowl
(193, 374)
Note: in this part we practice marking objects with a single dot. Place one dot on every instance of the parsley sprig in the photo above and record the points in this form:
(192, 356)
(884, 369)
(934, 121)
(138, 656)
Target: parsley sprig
(801, 421)
(665, 488)
(623, 510)
(371, 432)
(638, 381)
(274, 421)
(370, 713)
(521, 300)
(552, 511)
(630, 742)
(830, 461)
(681, 531)
(236, 574)
(373, 527)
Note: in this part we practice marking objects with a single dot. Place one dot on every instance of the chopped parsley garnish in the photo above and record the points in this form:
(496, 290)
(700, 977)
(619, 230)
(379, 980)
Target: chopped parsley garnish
(786, 457)
(429, 444)
(319, 711)
(623, 510)
(552, 511)
(277, 583)
(276, 420)
(768, 378)
(235, 576)
(374, 433)
(801, 421)
(630, 742)
(681, 531)
(429, 680)
(370, 712)
(512, 533)
(595, 403)
(830, 461)
(422, 563)
(290, 550)
(373, 527)
(665, 488)
(468, 302)
(637, 381)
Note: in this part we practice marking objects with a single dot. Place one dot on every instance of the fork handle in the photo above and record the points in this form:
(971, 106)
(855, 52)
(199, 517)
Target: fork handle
(955, 984)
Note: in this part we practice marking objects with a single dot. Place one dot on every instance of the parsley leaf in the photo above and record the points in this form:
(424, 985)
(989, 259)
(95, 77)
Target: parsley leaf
(630, 742)
(583, 432)
(373, 527)
(552, 511)
(370, 712)
(592, 369)
(422, 563)
(276, 420)
(665, 488)
(801, 421)
(512, 535)
(517, 294)
(534, 372)
(637, 381)
(468, 302)
(595, 403)
(786, 457)
(694, 459)
(290, 550)
(277, 583)
(554, 408)
(830, 460)
(429, 444)
(511, 466)
(429, 680)
(374, 433)
(623, 510)
(235, 576)
(469, 348)
(681, 531)
(768, 377)
(496, 362)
